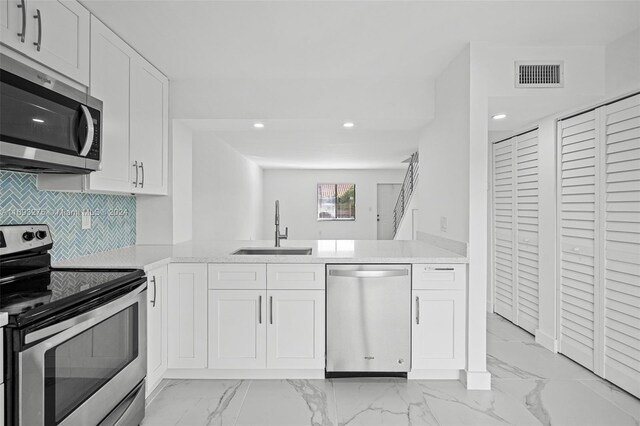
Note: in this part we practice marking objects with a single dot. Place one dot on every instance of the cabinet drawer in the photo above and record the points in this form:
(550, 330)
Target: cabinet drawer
(445, 277)
(237, 276)
(295, 277)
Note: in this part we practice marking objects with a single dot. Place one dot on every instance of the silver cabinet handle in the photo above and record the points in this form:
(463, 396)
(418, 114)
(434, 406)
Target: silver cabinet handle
(135, 183)
(270, 309)
(443, 269)
(142, 169)
(417, 310)
(259, 309)
(38, 43)
(24, 20)
(89, 139)
(369, 274)
(153, 302)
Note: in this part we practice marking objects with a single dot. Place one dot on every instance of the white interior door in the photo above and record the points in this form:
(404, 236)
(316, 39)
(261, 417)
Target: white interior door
(504, 229)
(578, 218)
(621, 128)
(526, 149)
(387, 197)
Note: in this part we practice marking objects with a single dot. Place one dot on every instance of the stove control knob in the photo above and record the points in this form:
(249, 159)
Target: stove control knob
(41, 235)
(28, 236)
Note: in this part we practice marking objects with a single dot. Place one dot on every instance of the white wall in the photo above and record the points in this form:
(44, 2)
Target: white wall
(296, 190)
(444, 156)
(454, 166)
(167, 220)
(623, 64)
(227, 192)
(182, 182)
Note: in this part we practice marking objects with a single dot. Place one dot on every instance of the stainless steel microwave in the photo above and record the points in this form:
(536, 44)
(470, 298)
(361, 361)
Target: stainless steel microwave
(46, 126)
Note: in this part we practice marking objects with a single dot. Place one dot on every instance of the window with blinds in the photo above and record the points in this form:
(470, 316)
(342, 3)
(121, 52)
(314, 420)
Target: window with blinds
(336, 201)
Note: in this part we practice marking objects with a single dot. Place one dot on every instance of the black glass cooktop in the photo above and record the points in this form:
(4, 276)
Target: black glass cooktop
(31, 298)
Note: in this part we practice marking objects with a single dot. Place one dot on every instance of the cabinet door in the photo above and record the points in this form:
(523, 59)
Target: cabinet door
(157, 322)
(110, 69)
(295, 329)
(11, 24)
(63, 30)
(237, 329)
(64, 37)
(149, 127)
(438, 332)
(187, 304)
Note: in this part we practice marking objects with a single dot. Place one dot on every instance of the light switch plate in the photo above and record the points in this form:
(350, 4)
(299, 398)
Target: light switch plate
(443, 224)
(86, 219)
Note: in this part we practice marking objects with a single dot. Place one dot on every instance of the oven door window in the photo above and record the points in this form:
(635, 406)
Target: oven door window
(79, 367)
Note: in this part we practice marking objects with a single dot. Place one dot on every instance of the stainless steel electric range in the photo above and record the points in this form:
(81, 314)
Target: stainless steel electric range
(75, 345)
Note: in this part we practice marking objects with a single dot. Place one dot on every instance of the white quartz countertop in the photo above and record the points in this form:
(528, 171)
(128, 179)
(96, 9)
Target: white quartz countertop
(324, 251)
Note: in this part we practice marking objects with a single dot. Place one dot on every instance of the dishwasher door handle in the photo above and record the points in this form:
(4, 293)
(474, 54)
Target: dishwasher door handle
(370, 274)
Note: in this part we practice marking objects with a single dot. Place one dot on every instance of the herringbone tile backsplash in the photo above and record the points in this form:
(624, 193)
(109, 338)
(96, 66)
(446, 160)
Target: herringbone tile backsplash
(113, 221)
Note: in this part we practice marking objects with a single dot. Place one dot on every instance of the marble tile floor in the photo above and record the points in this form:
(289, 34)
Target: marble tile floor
(530, 386)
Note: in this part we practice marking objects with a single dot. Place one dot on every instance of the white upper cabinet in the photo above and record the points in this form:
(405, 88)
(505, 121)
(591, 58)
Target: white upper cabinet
(149, 127)
(135, 102)
(111, 68)
(52, 32)
(135, 98)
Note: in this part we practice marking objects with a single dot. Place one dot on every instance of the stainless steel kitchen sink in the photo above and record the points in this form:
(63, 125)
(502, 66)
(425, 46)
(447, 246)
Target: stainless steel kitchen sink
(275, 251)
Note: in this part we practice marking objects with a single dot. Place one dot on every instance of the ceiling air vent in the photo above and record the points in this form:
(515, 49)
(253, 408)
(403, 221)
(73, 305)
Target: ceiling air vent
(540, 74)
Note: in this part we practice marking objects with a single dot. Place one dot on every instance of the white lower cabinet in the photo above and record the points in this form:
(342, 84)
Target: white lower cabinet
(275, 322)
(438, 331)
(187, 293)
(275, 329)
(438, 314)
(237, 329)
(295, 329)
(157, 323)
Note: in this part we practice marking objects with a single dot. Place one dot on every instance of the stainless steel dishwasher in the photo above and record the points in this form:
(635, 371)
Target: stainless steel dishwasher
(368, 319)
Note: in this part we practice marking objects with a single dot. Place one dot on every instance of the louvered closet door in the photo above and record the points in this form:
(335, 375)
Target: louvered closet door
(577, 237)
(622, 244)
(527, 230)
(504, 228)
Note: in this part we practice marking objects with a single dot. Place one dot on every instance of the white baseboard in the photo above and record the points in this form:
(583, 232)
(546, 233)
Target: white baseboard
(476, 380)
(205, 373)
(434, 375)
(546, 341)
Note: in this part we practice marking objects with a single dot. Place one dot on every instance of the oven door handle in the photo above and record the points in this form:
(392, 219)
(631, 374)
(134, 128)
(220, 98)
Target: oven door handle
(94, 316)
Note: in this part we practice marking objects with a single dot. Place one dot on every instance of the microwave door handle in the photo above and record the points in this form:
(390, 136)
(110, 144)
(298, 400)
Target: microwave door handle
(89, 139)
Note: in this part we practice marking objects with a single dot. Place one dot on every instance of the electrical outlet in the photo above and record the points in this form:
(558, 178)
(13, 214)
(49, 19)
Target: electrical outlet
(86, 219)
(443, 224)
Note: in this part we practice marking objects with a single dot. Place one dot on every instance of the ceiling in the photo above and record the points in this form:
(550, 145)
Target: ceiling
(304, 67)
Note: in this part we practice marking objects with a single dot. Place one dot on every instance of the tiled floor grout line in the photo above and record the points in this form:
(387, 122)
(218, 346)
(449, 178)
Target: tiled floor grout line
(244, 397)
(335, 401)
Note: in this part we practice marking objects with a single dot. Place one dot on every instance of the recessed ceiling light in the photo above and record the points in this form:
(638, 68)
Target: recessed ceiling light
(348, 125)
(258, 125)
(38, 120)
(499, 116)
